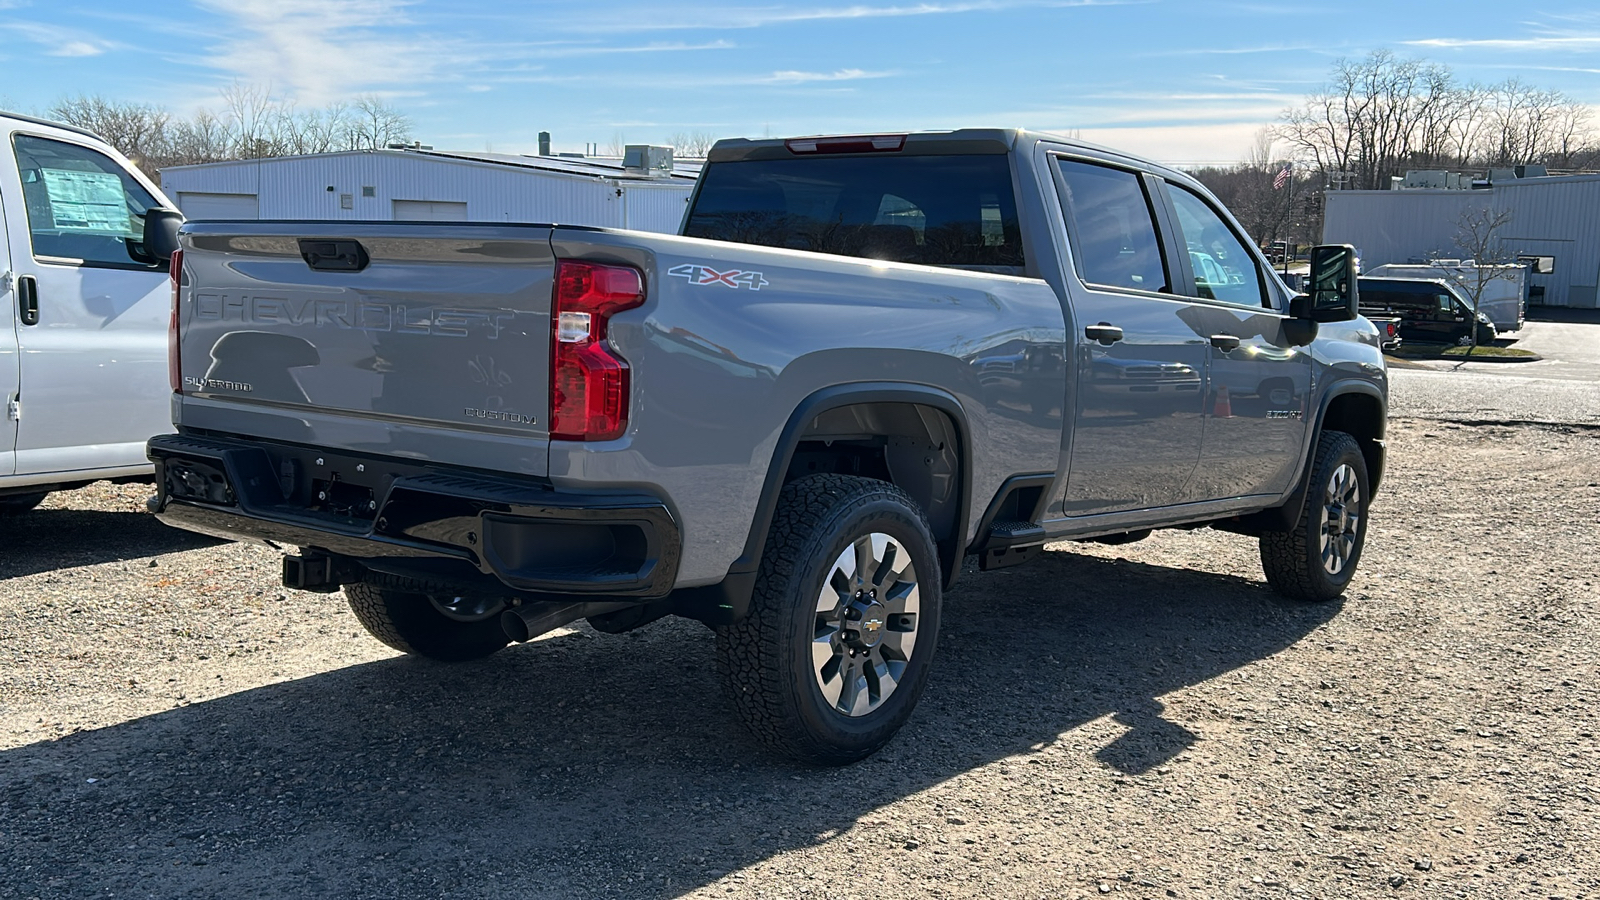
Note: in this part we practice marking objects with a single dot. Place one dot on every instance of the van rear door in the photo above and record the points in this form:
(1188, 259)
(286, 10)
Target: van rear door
(10, 373)
(92, 339)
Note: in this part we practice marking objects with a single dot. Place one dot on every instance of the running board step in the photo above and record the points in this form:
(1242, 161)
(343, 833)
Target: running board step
(1011, 543)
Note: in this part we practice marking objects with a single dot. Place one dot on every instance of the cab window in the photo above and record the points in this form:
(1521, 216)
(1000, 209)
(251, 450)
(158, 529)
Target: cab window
(1113, 232)
(1224, 269)
(81, 204)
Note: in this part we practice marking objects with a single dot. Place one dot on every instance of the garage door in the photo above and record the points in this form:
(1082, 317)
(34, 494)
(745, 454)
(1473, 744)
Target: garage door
(218, 206)
(429, 211)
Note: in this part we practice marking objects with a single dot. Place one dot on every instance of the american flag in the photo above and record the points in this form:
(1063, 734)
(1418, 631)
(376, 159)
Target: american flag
(1283, 177)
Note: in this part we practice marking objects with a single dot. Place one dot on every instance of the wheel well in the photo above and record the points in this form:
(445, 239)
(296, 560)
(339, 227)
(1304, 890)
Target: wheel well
(1361, 417)
(914, 447)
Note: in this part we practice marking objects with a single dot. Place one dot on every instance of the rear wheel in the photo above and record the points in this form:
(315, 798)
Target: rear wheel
(834, 654)
(1317, 559)
(14, 504)
(426, 619)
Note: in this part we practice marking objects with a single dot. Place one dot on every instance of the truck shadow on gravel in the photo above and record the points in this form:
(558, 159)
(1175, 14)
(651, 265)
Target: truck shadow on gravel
(44, 540)
(595, 765)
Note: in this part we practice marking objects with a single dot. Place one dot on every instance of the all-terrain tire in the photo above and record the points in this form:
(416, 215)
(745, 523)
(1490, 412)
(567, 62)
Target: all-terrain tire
(398, 612)
(1299, 563)
(17, 504)
(767, 660)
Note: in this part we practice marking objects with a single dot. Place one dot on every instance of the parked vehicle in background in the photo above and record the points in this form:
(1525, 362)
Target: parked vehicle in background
(82, 365)
(868, 357)
(1431, 311)
(1505, 288)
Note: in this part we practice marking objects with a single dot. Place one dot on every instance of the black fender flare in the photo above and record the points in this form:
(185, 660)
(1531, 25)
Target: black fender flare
(1287, 513)
(728, 601)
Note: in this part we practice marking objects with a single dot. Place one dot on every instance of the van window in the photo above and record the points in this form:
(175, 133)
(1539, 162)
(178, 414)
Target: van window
(1113, 234)
(81, 204)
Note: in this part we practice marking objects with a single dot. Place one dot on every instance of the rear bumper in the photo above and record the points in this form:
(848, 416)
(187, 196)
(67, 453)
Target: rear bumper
(380, 510)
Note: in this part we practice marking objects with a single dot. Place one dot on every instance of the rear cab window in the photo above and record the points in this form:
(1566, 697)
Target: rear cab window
(83, 207)
(939, 210)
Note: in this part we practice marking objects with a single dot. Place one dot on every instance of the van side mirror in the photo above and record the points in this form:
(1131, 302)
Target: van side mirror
(1331, 293)
(161, 232)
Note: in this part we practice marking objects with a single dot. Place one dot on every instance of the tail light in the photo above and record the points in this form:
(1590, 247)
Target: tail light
(865, 143)
(589, 383)
(174, 358)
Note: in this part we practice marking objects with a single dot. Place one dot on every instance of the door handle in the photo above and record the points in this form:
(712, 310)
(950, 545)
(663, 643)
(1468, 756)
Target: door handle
(1105, 332)
(28, 300)
(1224, 342)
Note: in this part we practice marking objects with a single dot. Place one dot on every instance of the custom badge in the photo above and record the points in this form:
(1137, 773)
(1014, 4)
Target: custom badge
(734, 278)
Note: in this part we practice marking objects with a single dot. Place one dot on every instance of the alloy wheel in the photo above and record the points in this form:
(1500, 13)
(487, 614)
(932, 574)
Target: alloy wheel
(866, 624)
(1341, 519)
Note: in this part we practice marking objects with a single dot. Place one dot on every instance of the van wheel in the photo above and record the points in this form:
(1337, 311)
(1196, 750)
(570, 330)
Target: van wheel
(1317, 559)
(426, 619)
(835, 651)
(16, 504)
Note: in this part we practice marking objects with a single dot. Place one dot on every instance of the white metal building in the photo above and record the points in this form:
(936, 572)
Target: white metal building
(412, 184)
(1556, 216)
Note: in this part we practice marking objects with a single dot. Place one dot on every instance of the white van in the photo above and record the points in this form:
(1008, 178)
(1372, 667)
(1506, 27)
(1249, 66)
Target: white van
(83, 358)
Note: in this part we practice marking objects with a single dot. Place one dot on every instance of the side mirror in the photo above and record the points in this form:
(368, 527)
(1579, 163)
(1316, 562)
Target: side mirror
(1331, 293)
(161, 232)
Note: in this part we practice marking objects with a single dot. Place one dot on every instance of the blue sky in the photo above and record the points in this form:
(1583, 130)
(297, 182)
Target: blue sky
(1182, 81)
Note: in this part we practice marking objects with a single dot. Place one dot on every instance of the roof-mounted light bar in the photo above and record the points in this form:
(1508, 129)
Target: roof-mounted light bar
(863, 143)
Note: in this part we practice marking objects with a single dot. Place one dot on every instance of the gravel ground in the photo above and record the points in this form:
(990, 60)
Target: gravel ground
(1142, 721)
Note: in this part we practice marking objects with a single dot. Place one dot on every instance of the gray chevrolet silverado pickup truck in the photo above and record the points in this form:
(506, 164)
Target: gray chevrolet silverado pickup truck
(864, 360)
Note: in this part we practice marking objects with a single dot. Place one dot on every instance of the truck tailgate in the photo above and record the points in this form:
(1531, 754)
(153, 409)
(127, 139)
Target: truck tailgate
(423, 341)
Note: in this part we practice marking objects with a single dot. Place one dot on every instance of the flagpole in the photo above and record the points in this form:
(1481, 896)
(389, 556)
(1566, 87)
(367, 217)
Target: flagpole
(1288, 223)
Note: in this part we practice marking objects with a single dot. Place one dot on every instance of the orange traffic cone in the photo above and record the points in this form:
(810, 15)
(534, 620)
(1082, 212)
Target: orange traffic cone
(1223, 408)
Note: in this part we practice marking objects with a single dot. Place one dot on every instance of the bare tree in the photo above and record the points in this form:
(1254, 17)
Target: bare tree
(1480, 236)
(692, 145)
(1381, 115)
(252, 124)
(375, 124)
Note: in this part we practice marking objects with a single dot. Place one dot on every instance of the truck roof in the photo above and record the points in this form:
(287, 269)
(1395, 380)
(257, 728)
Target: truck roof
(931, 143)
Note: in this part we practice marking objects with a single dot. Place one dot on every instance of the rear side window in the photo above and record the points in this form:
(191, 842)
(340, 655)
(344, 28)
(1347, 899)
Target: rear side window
(933, 210)
(81, 204)
(1113, 232)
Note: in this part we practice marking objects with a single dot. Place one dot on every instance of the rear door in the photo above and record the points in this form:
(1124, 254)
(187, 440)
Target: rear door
(1140, 366)
(93, 359)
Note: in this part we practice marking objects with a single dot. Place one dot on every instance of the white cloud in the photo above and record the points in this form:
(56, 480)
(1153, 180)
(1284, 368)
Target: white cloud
(758, 17)
(793, 77)
(1541, 44)
(58, 41)
(317, 51)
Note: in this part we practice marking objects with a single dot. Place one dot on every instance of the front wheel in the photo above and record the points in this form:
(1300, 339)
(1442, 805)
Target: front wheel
(834, 654)
(1317, 558)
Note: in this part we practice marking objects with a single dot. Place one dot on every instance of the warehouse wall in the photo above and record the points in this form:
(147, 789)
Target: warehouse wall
(335, 186)
(1557, 217)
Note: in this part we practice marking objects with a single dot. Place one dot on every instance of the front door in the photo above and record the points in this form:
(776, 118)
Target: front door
(1259, 384)
(93, 359)
(1140, 368)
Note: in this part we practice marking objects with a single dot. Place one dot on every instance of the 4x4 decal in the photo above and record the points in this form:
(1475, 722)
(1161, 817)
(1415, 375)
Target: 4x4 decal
(734, 278)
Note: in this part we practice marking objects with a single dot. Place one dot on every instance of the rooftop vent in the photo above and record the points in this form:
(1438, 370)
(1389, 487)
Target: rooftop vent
(647, 159)
(402, 145)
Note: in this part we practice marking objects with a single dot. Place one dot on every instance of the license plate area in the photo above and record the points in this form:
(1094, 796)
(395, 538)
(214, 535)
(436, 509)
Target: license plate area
(341, 488)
